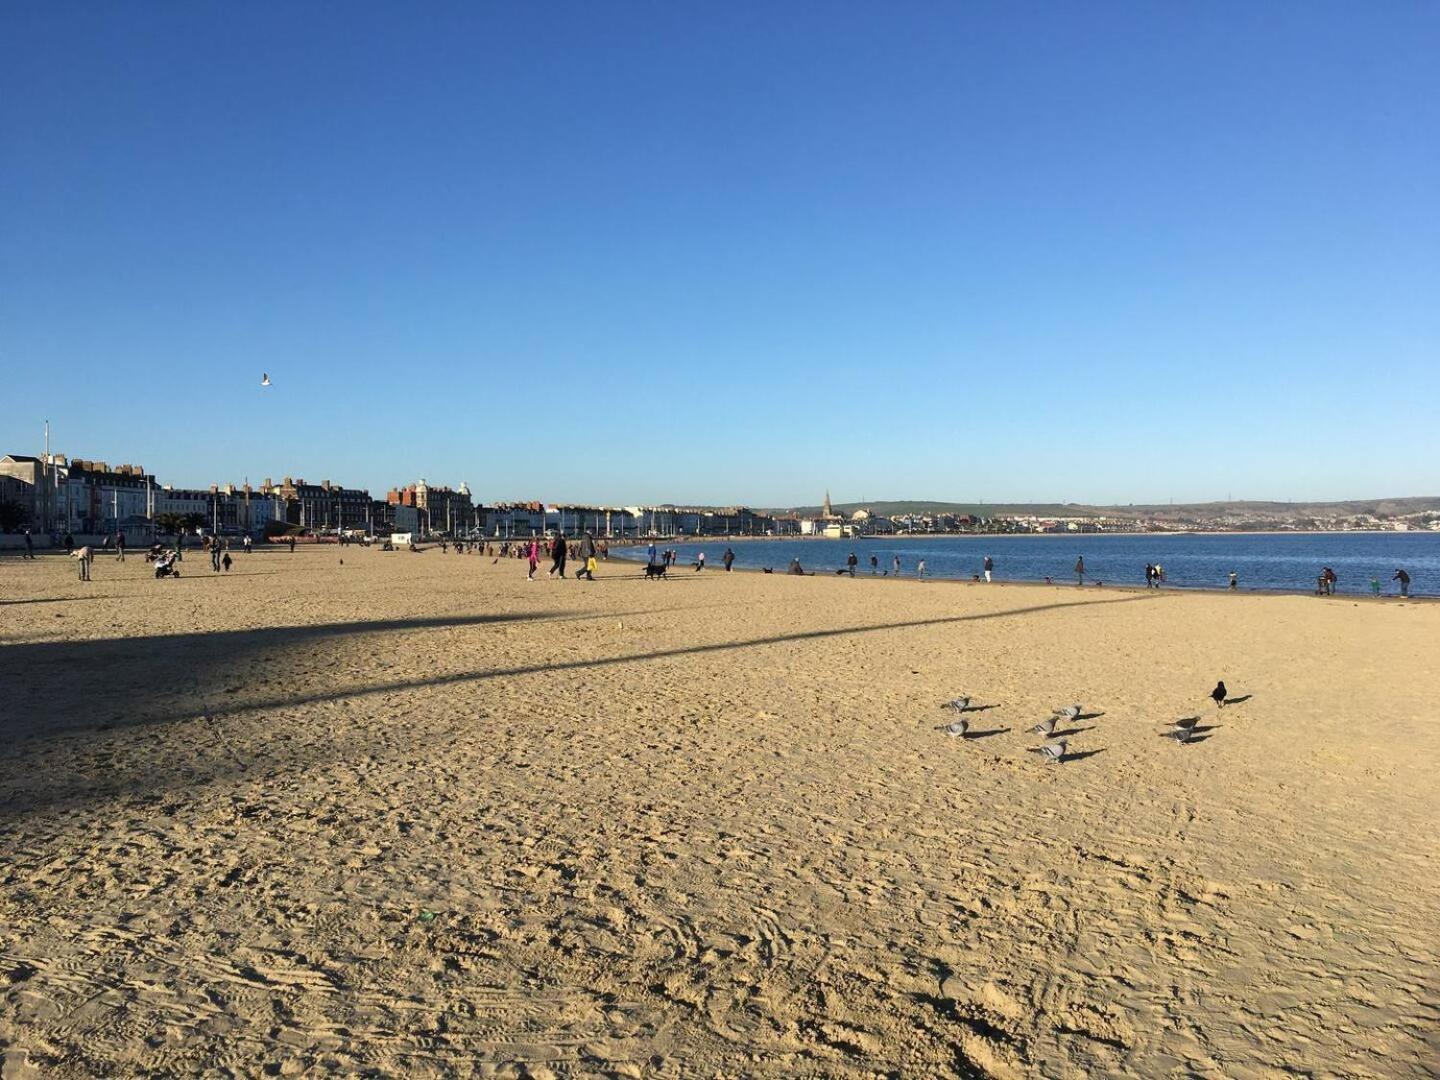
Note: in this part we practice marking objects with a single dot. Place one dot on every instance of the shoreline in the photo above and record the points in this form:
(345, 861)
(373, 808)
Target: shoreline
(716, 567)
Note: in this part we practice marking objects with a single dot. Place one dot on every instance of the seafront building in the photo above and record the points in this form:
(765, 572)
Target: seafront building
(79, 496)
(53, 495)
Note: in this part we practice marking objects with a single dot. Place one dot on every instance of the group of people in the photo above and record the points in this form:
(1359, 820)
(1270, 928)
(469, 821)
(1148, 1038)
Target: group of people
(586, 551)
(1154, 575)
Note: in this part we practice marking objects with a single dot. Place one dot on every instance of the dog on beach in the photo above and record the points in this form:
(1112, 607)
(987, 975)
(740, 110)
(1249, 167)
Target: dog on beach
(655, 570)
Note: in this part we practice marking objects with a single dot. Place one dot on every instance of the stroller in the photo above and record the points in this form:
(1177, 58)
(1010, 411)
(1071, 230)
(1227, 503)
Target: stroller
(165, 565)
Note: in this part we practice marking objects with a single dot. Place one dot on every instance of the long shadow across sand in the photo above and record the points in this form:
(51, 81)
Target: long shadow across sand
(92, 665)
(107, 685)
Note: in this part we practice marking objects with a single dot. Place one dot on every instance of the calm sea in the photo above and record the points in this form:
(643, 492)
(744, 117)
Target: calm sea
(1286, 561)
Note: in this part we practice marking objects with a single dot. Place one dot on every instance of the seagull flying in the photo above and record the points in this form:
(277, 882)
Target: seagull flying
(1045, 727)
(957, 728)
(264, 379)
(959, 704)
(1069, 712)
(1054, 751)
(1218, 694)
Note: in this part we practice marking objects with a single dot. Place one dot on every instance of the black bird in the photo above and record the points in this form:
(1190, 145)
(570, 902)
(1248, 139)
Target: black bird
(1218, 694)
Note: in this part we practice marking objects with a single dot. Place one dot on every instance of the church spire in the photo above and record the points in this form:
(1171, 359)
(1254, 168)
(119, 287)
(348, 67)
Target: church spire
(827, 511)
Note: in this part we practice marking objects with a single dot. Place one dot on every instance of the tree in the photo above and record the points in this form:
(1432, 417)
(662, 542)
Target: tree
(177, 523)
(13, 515)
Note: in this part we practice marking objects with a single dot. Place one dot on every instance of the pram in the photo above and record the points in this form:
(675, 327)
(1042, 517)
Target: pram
(165, 565)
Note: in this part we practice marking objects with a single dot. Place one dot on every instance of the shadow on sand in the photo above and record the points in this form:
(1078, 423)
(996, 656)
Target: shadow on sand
(121, 683)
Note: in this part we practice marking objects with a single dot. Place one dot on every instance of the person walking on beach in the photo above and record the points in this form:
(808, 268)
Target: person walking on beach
(920, 569)
(292, 545)
(651, 555)
(120, 547)
(559, 549)
(587, 557)
(1404, 579)
(874, 564)
(1149, 576)
(533, 553)
(29, 545)
(728, 559)
(1234, 580)
(699, 562)
(70, 546)
(851, 562)
(225, 562)
(85, 554)
(1080, 570)
(249, 547)
(215, 554)
(989, 566)
(897, 565)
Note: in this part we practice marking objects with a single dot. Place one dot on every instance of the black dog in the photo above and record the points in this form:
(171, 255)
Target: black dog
(655, 570)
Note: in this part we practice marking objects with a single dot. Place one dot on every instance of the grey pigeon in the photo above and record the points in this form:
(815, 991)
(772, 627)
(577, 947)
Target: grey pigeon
(1045, 727)
(957, 728)
(1054, 751)
(1069, 712)
(1179, 734)
(1185, 722)
(959, 704)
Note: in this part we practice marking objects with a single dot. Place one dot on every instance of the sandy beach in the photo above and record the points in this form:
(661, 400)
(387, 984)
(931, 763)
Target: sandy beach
(412, 815)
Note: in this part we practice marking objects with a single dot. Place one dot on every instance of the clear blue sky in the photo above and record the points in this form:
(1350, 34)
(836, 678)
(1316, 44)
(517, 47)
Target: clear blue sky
(729, 252)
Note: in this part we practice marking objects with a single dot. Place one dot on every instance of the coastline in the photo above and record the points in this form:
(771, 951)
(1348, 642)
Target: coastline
(1128, 587)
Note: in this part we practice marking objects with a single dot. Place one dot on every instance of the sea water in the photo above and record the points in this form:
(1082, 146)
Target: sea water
(1270, 561)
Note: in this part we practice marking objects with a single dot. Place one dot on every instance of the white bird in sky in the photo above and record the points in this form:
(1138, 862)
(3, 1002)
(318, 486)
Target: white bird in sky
(264, 379)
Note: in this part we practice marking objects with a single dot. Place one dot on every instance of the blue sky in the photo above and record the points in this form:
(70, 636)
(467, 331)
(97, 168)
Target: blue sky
(729, 253)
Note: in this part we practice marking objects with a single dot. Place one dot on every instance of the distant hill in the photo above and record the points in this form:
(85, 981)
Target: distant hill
(1380, 508)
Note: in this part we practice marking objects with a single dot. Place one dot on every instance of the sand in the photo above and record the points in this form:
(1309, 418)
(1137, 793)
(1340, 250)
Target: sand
(415, 816)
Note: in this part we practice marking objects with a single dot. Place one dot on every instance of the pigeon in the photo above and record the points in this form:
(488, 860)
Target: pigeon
(1179, 734)
(1218, 694)
(957, 728)
(264, 379)
(1054, 751)
(1045, 727)
(1069, 712)
(1186, 723)
(959, 704)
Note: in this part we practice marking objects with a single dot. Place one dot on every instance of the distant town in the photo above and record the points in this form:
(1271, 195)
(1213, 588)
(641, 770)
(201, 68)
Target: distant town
(53, 495)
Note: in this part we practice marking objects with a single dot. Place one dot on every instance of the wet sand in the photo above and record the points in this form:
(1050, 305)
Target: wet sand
(416, 816)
